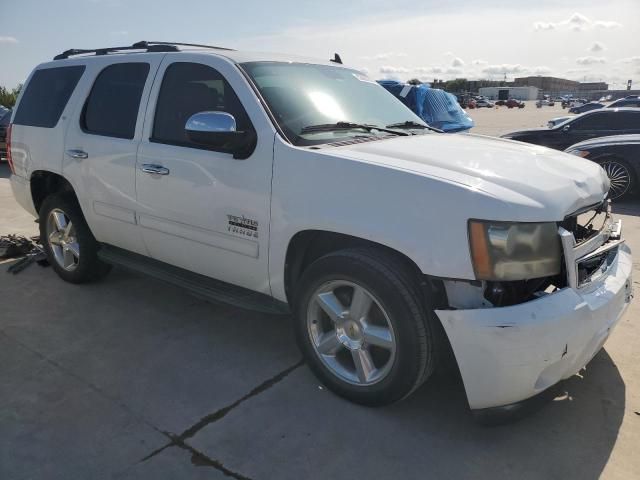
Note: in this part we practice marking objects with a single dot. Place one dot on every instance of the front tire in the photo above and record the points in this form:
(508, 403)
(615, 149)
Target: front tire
(71, 248)
(362, 327)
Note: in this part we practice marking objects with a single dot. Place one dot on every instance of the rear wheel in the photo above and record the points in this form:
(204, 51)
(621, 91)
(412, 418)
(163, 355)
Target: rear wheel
(362, 327)
(69, 244)
(621, 177)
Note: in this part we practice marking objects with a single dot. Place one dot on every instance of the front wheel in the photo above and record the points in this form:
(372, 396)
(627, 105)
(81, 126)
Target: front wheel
(362, 328)
(621, 178)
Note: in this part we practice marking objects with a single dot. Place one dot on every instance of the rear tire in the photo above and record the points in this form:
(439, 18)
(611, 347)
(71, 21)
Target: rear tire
(376, 351)
(70, 246)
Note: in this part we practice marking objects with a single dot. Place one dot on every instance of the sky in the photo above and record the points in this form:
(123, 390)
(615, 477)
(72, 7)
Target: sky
(586, 40)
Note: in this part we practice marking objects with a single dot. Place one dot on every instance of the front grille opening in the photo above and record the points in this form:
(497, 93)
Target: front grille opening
(504, 294)
(586, 225)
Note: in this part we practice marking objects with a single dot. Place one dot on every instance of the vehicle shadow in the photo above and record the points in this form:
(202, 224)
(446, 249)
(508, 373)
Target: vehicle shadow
(571, 436)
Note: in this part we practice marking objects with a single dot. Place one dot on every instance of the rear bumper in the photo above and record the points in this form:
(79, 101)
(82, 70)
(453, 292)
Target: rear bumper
(509, 354)
(21, 189)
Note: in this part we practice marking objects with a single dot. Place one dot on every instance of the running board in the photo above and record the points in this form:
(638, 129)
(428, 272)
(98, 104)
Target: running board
(199, 285)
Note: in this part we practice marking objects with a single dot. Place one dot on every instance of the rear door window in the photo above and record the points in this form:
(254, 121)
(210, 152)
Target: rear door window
(46, 96)
(112, 106)
(593, 121)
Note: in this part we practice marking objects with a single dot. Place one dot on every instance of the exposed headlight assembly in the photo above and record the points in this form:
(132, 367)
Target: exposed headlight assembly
(503, 251)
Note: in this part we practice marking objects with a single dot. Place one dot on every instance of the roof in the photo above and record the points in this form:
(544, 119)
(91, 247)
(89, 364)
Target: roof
(236, 56)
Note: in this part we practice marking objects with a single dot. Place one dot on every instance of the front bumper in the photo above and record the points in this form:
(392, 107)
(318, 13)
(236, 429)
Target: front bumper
(508, 354)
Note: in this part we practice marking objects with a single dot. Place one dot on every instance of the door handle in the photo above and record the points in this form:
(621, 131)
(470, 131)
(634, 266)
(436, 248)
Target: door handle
(77, 154)
(154, 169)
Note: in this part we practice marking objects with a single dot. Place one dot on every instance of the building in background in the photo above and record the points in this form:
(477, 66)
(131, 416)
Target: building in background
(504, 93)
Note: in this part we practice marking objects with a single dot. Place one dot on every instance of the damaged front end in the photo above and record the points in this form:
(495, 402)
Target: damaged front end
(515, 338)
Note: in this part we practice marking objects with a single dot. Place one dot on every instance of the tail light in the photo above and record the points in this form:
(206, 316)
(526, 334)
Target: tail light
(8, 141)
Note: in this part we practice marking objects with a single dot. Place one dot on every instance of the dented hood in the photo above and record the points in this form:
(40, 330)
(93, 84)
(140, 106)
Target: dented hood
(511, 171)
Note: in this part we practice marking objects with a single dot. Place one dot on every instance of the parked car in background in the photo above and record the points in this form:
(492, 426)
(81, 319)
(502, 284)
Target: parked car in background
(438, 108)
(513, 103)
(619, 156)
(596, 123)
(5, 117)
(587, 107)
(483, 103)
(472, 103)
(630, 101)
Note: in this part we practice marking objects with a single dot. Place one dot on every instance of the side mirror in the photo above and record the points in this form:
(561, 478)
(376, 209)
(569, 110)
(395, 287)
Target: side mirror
(566, 128)
(218, 130)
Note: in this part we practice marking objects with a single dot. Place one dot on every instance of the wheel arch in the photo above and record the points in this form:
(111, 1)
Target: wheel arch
(44, 183)
(306, 246)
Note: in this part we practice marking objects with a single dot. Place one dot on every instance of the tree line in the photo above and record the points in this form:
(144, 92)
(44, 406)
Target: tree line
(8, 97)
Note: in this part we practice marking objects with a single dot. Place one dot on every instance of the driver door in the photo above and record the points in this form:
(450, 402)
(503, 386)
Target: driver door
(198, 208)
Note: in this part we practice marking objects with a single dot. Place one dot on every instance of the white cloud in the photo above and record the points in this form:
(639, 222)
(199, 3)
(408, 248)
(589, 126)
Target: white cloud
(576, 22)
(539, 70)
(606, 24)
(597, 47)
(502, 69)
(590, 60)
(479, 61)
(457, 62)
(633, 60)
(384, 56)
(7, 39)
(391, 69)
(428, 70)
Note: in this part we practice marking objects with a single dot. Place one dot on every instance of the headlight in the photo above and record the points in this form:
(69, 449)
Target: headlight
(514, 251)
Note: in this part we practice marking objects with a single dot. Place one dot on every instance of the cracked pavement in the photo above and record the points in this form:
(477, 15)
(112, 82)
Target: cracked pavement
(131, 378)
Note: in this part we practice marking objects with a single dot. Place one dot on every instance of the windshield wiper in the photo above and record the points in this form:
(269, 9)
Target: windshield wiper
(412, 124)
(329, 127)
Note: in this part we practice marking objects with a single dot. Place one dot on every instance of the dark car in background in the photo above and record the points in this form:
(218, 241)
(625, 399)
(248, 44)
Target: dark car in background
(587, 107)
(619, 156)
(630, 101)
(596, 123)
(5, 116)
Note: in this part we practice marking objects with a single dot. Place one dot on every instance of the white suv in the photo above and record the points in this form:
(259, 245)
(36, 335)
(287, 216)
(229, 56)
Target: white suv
(297, 185)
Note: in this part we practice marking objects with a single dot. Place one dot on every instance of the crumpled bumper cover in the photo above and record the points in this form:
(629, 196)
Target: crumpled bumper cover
(509, 354)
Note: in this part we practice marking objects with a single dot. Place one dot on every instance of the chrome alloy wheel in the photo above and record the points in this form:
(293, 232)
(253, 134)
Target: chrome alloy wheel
(351, 333)
(619, 178)
(61, 236)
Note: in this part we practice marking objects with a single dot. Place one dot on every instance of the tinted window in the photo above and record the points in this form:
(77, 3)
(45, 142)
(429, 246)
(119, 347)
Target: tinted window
(594, 121)
(46, 96)
(625, 121)
(112, 106)
(189, 88)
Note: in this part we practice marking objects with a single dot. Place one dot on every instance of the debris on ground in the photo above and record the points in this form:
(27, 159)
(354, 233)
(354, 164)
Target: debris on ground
(14, 246)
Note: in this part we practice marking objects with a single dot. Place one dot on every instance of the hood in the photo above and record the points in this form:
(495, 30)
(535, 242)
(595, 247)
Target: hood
(553, 183)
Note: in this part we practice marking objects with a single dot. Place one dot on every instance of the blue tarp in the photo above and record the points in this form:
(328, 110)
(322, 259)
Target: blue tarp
(438, 108)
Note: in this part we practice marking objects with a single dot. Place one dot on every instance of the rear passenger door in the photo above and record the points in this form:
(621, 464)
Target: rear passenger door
(207, 212)
(102, 142)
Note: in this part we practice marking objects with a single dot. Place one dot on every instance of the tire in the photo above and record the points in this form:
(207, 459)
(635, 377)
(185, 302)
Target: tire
(621, 176)
(389, 371)
(70, 246)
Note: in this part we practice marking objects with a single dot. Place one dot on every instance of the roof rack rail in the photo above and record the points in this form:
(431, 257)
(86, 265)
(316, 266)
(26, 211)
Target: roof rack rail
(143, 45)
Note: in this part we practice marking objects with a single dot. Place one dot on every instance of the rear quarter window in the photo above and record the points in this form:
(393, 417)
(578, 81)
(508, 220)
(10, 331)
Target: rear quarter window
(46, 95)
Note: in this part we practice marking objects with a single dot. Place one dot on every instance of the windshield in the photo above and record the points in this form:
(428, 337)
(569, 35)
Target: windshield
(302, 95)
